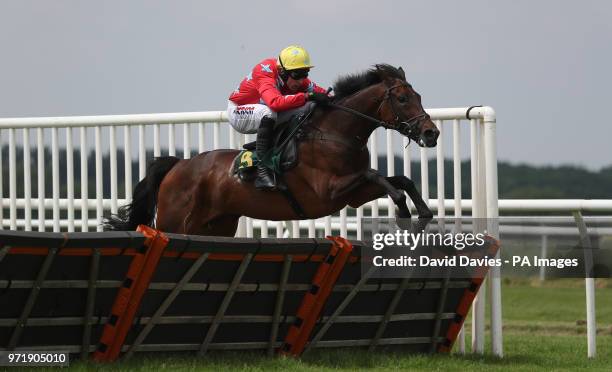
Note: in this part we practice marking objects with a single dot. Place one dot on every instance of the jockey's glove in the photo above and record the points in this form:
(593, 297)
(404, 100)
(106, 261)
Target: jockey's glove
(320, 98)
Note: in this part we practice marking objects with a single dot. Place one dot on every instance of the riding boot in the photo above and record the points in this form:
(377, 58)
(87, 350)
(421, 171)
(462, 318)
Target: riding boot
(265, 176)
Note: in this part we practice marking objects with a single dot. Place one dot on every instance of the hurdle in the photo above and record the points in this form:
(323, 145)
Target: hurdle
(111, 295)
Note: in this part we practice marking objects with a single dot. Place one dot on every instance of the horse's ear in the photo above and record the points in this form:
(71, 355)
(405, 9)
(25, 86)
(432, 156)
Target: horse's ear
(383, 72)
(402, 73)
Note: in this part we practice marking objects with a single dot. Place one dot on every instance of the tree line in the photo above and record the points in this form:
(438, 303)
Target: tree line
(516, 181)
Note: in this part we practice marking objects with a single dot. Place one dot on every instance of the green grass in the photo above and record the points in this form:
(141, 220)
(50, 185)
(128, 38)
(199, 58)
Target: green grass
(522, 352)
(555, 306)
(543, 331)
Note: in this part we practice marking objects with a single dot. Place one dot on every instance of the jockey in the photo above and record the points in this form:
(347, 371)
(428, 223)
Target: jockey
(275, 89)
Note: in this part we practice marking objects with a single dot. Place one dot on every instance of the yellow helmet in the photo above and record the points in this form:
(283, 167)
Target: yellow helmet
(294, 57)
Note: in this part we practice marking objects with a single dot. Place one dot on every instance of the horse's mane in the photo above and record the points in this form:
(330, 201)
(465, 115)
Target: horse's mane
(349, 84)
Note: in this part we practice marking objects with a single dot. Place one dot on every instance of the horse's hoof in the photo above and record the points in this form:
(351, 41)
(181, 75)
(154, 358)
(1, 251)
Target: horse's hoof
(425, 215)
(421, 224)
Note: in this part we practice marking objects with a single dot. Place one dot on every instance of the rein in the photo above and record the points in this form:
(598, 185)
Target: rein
(405, 127)
(379, 123)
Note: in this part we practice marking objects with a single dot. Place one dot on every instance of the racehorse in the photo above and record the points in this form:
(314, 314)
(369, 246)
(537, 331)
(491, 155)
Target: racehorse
(203, 196)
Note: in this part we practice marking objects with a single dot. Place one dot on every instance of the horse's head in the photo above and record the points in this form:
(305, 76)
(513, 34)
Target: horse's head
(400, 108)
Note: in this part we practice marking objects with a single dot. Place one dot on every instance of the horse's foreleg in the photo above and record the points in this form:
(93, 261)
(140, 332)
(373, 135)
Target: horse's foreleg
(406, 184)
(223, 226)
(396, 195)
(375, 187)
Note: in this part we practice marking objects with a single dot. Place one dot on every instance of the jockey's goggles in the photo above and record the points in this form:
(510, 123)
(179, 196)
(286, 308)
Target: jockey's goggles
(299, 74)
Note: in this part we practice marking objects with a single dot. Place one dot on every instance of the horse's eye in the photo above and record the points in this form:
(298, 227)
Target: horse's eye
(402, 98)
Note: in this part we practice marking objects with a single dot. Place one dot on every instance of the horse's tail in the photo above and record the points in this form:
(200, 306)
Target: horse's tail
(141, 211)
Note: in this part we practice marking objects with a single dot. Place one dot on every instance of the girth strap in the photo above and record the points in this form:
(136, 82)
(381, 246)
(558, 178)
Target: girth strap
(284, 189)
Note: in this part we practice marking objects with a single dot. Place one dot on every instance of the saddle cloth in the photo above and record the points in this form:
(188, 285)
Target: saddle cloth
(279, 160)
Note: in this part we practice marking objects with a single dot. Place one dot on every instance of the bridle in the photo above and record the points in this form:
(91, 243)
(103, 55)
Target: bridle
(407, 127)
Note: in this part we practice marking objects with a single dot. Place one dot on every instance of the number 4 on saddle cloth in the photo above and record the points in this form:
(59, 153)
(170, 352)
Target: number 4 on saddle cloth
(282, 157)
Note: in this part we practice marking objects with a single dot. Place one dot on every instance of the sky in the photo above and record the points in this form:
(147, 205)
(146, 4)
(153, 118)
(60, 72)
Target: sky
(544, 66)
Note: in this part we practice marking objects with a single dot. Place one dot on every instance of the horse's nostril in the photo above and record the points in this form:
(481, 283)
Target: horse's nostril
(429, 133)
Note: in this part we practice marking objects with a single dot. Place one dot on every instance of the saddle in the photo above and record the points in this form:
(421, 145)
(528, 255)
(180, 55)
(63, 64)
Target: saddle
(282, 157)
